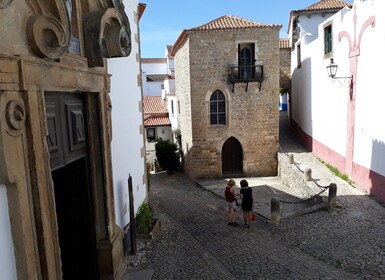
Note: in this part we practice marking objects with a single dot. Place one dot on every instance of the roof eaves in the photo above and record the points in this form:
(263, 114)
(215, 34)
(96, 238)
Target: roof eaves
(179, 41)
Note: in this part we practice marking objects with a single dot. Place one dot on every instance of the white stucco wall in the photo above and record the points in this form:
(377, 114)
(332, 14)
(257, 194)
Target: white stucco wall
(152, 88)
(369, 128)
(173, 116)
(155, 68)
(127, 139)
(7, 256)
(320, 104)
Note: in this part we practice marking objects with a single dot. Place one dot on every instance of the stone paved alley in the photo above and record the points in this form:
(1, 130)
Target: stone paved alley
(195, 241)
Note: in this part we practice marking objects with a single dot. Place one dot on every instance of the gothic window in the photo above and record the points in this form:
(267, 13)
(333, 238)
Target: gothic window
(246, 60)
(217, 108)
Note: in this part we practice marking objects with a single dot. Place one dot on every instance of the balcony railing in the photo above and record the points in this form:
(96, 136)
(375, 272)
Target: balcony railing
(246, 74)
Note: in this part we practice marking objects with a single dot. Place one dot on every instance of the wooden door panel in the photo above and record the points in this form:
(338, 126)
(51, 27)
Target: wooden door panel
(66, 138)
(232, 157)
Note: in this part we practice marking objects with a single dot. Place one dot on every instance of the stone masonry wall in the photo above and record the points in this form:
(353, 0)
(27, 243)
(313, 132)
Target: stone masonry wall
(252, 116)
(285, 76)
(182, 88)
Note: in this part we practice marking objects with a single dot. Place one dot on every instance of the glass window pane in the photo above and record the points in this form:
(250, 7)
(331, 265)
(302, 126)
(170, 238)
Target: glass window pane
(217, 108)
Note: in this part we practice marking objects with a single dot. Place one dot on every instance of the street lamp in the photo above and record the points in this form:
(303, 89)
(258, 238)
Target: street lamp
(332, 70)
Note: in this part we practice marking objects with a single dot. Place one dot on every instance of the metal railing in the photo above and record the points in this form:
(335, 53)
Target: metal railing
(246, 74)
(249, 73)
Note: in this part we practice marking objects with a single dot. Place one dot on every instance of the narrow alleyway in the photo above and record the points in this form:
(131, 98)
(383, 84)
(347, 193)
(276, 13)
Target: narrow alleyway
(195, 241)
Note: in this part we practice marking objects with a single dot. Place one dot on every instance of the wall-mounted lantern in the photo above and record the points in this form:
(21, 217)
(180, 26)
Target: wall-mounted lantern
(332, 71)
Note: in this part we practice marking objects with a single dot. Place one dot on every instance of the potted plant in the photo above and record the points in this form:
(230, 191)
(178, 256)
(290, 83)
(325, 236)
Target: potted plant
(146, 223)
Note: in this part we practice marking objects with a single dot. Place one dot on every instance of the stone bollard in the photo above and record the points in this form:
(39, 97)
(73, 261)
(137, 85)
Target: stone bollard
(308, 174)
(291, 159)
(332, 195)
(275, 211)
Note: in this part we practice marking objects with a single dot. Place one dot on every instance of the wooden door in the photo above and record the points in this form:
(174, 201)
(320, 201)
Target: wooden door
(69, 161)
(232, 157)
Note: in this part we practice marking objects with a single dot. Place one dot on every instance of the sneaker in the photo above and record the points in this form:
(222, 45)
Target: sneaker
(235, 224)
(229, 224)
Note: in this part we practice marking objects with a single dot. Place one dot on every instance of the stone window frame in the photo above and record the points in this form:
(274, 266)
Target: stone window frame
(228, 98)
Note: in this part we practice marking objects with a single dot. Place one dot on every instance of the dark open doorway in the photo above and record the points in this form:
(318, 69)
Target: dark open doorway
(74, 215)
(232, 157)
(69, 161)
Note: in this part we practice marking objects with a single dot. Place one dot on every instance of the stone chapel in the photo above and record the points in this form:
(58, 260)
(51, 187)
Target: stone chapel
(227, 87)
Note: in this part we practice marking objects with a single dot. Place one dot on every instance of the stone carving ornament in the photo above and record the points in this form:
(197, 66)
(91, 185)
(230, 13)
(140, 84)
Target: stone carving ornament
(4, 3)
(49, 30)
(15, 116)
(106, 30)
(107, 34)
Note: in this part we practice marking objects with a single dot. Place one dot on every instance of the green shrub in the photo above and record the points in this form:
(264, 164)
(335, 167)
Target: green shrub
(144, 218)
(167, 155)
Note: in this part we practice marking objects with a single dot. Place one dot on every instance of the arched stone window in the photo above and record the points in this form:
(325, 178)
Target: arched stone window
(217, 108)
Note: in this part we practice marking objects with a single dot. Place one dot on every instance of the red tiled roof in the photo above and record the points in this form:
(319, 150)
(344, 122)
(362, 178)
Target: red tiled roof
(222, 23)
(326, 5)
(153, 60)
(154, 105)
(321, 6)
(284, 43)
(141, 8)
(157, 121)
(231, 22)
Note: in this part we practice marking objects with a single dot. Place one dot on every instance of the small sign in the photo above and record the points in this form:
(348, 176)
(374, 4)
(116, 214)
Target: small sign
(74, 46)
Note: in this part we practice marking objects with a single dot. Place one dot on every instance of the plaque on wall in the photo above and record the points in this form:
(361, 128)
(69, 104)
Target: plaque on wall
(74, 46)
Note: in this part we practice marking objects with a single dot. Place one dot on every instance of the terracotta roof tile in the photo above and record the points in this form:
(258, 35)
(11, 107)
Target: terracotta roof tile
(284, 43)
(157, 121)
(141, 8)
(326, 5)
(154, 105)
(231, 22)
(153, 60)
(222, 23)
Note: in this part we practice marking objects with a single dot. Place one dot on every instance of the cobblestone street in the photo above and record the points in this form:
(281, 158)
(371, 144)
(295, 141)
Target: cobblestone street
(195, 241)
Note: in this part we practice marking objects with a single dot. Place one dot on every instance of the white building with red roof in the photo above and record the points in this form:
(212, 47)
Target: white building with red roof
(156, 123)
(340, 115)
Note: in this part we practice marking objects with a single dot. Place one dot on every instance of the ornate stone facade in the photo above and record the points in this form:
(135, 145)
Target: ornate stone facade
(53, 47)
(203, 57)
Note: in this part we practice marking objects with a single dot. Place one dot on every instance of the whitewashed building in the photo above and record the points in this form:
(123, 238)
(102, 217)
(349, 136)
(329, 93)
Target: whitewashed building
(128, 144)
(156, 123)
(340, 119)
(159, 81)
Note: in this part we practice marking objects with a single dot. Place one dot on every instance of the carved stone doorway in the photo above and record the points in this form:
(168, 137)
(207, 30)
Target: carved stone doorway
(69, 160)
(232, 157)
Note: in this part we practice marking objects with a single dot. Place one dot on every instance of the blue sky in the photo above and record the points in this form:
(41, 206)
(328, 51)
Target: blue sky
(164, 20)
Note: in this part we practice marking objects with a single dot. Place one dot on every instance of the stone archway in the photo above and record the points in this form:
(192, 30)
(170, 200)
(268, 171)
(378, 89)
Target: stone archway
(232, 157)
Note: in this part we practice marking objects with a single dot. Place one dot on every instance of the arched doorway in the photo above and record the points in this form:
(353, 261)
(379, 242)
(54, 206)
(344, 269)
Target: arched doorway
(232, 157)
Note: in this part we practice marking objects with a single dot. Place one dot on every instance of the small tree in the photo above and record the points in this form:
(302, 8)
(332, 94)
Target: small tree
(144, 218)
(167, 155)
